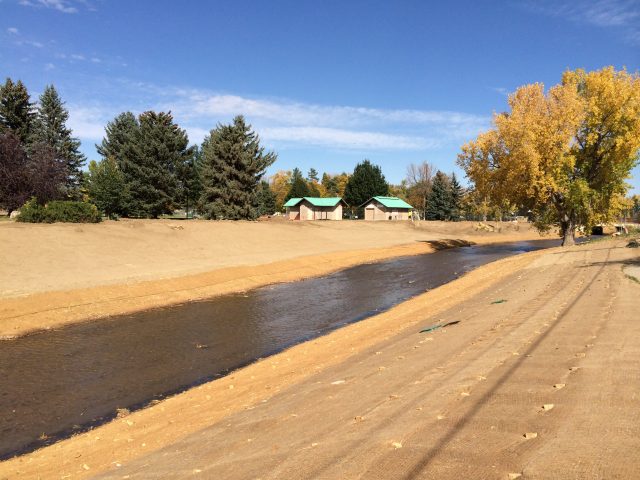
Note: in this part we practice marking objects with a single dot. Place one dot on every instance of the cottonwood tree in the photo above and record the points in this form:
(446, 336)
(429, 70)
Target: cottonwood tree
(49, 128)
(16, 110)
(280, 184)
(367, 181)
(419, 179)
(233, 163)
(47, 174)
(15, 185)
(565, 153)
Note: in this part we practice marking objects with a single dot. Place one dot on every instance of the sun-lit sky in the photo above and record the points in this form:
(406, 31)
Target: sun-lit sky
(325, 83)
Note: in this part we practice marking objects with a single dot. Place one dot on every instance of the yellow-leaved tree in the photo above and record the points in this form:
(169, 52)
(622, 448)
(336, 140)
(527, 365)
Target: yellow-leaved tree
(564, 154)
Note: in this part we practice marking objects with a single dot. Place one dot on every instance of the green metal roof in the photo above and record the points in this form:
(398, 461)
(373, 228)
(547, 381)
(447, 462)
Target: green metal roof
(315, 201)
(392, 202)
(292, 202)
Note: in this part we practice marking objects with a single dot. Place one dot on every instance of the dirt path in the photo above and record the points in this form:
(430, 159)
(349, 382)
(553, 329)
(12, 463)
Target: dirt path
(379, 400)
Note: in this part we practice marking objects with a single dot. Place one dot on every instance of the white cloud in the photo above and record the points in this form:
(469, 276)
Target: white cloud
(13, 31)
(623, 15)
(77, 56)
(64, 6)
(346, 139)
(288, 123)
(49, 66)
(88, 123)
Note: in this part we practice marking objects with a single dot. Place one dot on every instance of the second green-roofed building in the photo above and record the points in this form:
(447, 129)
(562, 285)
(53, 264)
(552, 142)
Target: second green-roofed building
(386, 208)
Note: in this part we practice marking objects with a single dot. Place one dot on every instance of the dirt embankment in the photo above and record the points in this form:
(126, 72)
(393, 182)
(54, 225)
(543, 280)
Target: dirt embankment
(51, 275)
(538, 380)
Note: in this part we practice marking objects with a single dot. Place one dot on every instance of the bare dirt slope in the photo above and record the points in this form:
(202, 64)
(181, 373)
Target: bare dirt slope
(37, 258)
(52, 275)
(543, 385)
(458, 403)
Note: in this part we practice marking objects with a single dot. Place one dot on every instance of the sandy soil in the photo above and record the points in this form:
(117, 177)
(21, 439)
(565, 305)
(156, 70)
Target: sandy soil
(52, 275)
(541, 385)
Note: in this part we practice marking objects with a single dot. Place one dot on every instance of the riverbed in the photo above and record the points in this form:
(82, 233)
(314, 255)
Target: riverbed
(67, 380)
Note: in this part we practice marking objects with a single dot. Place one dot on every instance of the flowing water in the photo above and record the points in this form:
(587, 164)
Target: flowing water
(56, 383)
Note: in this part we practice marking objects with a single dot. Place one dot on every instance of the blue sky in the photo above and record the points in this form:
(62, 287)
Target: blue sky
(325, 83)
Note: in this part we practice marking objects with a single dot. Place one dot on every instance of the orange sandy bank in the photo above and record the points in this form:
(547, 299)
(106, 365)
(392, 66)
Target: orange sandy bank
(52, 275)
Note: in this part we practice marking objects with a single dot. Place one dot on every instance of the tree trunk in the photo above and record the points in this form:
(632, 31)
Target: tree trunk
(568, 231)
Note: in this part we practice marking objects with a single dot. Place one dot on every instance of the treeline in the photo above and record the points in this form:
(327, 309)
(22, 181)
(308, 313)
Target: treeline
(148, 168)
(39, 157)
(434, 194)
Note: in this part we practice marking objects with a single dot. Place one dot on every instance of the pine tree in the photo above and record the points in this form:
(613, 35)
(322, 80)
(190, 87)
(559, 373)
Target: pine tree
(49, 128)
(233, 163)
(312, 175)
(189, 181)
(119, 143)
(299, 187)
(266, 199)
(456, 194)
(47, 174)
(107, 187)
(160, 149)
(367, 181)
(16, 110)
(439, 203)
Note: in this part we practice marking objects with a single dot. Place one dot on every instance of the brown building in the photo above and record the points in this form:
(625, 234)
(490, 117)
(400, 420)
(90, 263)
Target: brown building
(315, 208)
(387, 208)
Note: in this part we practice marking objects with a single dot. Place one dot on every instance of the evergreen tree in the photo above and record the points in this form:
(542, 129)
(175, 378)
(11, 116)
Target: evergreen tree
(160, 149)
(299, 188)
(439, 202)
(107, 187)
(266, 199)
(312, 176)
(16, 110)
(50, 129)
(456, 194)
(367, 181)
(189, 181)
(119, 143)
(233, 163)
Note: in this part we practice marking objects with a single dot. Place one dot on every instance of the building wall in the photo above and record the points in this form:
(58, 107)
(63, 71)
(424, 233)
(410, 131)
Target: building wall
(293, 213)
(306, 211)
(375, 211)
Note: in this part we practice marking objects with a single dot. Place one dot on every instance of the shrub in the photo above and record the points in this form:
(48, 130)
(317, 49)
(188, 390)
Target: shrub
(59, 211)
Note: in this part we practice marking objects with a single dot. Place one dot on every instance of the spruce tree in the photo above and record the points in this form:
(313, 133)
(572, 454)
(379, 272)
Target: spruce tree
(456, 194)
(189, 181)
(367, 181)
(312, 175)
(49, 128)
(299, 187)
(266, 199)
(160, 149)
(233, 163)
(107, 187)
(439, 203)
(119, 143)
(16, 110)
